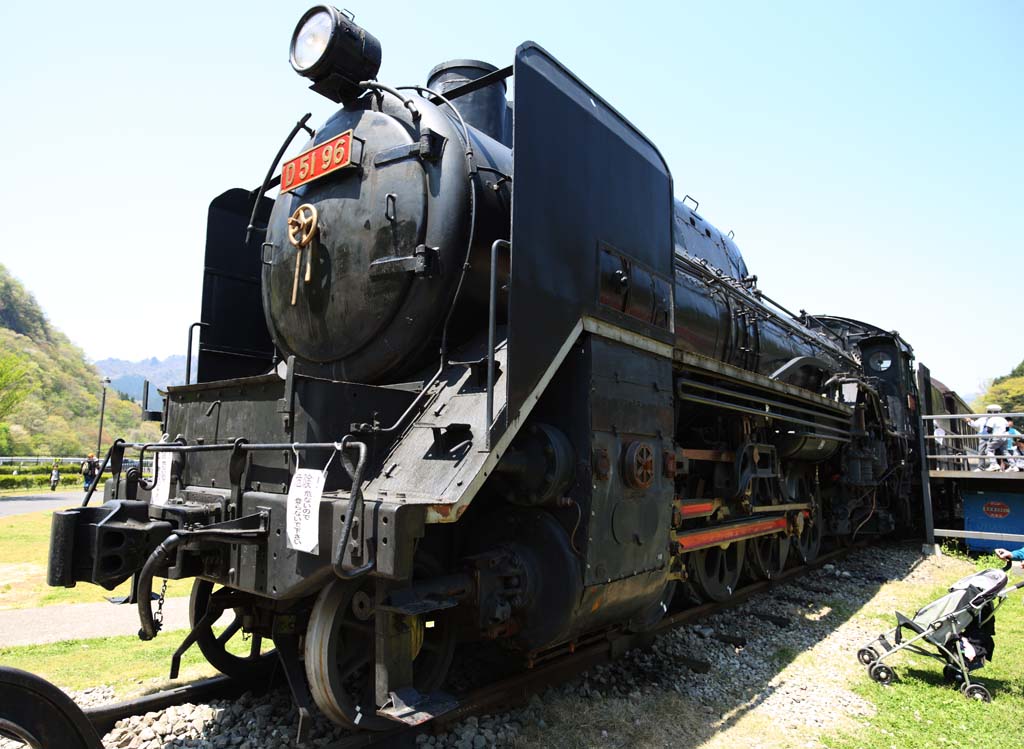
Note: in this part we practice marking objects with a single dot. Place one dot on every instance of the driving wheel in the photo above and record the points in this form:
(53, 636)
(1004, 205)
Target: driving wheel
(716, 571)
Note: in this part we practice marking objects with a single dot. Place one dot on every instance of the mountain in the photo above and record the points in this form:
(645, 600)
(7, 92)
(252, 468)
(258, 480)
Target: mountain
(56, 411)
(128, 376)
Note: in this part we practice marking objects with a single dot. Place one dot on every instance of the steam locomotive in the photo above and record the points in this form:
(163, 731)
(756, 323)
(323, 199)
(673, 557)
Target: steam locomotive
(451, 390)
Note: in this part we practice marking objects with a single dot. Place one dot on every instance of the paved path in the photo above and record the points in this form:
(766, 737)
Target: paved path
(20, 504)
(74, 621)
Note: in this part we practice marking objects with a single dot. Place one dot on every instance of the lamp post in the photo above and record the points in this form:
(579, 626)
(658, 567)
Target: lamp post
(103, 407)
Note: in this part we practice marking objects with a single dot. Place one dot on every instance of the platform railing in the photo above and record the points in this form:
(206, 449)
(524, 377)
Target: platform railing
(956, 453)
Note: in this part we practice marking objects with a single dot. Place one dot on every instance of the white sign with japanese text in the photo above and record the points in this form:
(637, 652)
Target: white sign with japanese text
(162, 490)
(303, 522)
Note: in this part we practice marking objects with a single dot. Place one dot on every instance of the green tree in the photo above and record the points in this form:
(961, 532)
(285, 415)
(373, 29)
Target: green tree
(1008, 393)
(15, 383)
(1017, 371)
(19, 311)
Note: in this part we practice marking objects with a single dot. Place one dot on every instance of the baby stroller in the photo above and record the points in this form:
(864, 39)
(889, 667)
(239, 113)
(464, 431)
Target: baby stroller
(960, 625)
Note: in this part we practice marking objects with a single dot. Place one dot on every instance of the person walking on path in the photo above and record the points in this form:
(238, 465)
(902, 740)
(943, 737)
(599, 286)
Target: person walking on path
(54, 478)
(89, 468)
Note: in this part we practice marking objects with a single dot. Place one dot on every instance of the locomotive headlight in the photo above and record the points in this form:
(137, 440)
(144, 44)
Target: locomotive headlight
(332, 51)
(311, 39)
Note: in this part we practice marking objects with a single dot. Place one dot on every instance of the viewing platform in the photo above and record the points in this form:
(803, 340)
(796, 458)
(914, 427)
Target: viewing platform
(984, 473)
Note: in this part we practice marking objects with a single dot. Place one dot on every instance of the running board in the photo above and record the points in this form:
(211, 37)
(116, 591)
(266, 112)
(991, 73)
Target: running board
(726, 534)
(409, 706)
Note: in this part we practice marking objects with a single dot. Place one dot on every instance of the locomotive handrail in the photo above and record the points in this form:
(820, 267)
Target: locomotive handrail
(974, 436)
(932, 417)
(420, 89)
(842, 419)
(172, 447)
(179, 447)
(407, 102)
(758, 301)
(106, 461)
(840, 435)
(188, 350)
(492, 327)
(266, 184)
(354, 507)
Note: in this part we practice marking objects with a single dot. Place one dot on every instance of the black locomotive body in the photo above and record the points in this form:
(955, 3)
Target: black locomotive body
(546, 400)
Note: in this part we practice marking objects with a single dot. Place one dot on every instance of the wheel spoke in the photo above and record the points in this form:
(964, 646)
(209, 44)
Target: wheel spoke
(255, 645)
(232, 629)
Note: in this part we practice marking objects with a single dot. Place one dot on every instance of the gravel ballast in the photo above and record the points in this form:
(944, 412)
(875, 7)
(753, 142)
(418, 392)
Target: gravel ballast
(781, 665)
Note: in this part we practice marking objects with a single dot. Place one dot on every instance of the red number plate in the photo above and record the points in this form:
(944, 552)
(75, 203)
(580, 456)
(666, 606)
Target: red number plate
(317, 162)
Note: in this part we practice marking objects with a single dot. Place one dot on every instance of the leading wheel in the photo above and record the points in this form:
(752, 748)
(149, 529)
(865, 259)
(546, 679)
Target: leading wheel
(340, 653)
(977, 692)
(881, 673)
(867, 656)
(254, 664)
(716, 571)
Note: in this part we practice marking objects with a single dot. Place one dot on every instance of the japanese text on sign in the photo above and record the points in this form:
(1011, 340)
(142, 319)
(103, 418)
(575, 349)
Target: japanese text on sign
(162, 490)
(303, 522)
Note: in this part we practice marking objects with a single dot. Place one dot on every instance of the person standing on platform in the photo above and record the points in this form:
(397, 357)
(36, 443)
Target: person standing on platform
(1013, 443)
(989, 427)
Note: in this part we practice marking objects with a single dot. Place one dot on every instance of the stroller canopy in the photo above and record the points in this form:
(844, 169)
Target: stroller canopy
(955, 610)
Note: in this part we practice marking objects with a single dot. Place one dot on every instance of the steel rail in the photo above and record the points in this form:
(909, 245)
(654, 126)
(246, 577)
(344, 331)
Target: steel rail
(103, 717)
(508, 692)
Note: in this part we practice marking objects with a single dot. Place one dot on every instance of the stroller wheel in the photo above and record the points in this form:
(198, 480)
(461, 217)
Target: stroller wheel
(881, 673)
(977, 692)
(867, 656)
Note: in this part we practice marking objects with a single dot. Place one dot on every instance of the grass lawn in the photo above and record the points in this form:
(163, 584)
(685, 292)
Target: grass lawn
(920, 710)
(24, 545)
(126, 663)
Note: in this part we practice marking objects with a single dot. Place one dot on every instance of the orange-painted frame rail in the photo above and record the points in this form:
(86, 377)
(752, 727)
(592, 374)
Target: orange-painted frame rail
(696, 508)
(705, 537)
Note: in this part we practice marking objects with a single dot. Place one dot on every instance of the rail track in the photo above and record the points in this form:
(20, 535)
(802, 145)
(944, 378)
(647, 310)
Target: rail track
(564, 666)
(556, 668)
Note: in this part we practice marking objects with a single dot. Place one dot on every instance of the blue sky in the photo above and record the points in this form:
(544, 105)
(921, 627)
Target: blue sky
(868, 156)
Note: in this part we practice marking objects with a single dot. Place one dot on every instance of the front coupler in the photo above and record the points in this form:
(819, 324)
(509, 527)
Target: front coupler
(104, 545)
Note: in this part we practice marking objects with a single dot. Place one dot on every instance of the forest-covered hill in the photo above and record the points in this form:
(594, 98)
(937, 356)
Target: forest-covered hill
(50, 398)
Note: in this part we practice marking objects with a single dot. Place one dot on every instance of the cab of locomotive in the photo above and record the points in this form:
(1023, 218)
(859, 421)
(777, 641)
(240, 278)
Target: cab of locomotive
(888, 362)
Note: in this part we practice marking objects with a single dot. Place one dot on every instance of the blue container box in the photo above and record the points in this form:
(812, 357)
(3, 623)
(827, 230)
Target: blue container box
(993, 512)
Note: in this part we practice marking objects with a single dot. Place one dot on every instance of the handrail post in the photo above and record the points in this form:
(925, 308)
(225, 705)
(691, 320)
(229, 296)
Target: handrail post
(925, 406)
(492, 325)
(188, 354)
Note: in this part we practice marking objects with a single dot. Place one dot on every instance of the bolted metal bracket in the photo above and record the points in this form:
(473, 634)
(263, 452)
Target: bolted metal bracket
(421, 263)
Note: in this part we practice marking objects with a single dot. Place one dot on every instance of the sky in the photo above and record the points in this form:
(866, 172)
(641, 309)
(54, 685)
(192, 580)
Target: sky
(869, 156)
